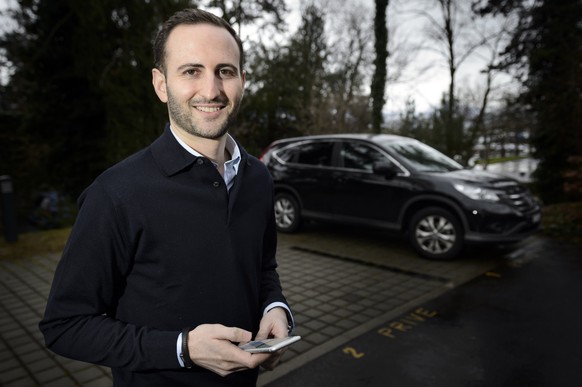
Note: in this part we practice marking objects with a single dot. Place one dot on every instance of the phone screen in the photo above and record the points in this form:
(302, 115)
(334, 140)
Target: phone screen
(269, 345)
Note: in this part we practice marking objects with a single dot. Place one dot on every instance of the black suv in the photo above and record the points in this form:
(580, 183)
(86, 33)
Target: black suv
(396, 183)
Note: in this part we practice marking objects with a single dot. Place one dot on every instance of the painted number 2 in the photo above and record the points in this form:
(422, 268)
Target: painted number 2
(352, 351)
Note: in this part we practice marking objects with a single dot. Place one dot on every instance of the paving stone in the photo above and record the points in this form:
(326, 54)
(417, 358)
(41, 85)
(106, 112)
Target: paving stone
(88, 374)
(301, 346)
(311, 303)
(5, 354)
(62, 382)
(14, 342)
(101, 382)
(26, 381)
(27, 347)
(40, 365)
(331, 331)
(340, 303)
(13, 374)
(363, 318)
(303, 331)
(9, 364)
(316, 338)
(106, 370)
(328, 318)
(327, 308)
(346, 324)
(12, 331)
(342, 313)
(300, 308)
(315, 325)
(76, 366)
(49, 375)
(355, 308)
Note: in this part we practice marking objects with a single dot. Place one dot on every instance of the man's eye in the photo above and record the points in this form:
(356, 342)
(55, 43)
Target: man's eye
(192, 72)
(227, 73)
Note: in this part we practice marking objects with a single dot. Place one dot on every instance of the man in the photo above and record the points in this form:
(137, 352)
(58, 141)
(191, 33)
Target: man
(171, 261)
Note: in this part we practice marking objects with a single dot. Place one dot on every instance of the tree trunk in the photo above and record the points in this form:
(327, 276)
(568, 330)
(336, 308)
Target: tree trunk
(379, 80)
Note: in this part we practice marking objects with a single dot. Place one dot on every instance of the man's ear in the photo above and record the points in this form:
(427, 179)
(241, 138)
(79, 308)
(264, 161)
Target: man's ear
(159, 83)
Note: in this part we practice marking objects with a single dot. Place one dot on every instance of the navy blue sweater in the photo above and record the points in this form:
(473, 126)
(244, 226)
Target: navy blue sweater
(158, 245)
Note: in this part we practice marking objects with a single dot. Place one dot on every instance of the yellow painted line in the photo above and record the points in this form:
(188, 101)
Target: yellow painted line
(493, 274)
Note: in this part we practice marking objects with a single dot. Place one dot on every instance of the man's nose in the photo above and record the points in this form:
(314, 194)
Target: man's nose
(211, 87)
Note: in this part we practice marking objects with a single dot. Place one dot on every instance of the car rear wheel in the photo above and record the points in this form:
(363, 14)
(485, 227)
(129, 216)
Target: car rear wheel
(287, 213)
(435, 233)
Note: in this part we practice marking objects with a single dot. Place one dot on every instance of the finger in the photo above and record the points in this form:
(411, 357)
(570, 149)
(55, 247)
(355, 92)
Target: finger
(263, 333)
(235, 335)
(267, 329)
(273, 324)
(232, 359)
(223, 368)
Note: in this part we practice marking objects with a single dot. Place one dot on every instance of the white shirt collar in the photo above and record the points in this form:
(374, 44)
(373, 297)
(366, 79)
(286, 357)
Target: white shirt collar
(231, 147)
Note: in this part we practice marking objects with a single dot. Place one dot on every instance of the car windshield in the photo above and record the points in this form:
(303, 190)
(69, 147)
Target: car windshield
(422, 157)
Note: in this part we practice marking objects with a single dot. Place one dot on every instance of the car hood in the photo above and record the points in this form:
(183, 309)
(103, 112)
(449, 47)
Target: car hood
(480, 178)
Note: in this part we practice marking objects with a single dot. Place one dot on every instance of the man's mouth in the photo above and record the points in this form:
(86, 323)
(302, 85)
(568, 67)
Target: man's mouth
(208, 109)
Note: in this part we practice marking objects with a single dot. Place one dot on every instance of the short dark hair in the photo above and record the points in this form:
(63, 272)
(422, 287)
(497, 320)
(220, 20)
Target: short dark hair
(189, 16)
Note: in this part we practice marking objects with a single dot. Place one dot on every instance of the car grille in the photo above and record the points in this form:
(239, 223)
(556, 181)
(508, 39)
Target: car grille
(519, 198)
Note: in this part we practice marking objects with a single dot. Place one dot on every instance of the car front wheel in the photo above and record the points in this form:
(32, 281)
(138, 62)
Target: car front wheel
(435, 233)
(287, 213)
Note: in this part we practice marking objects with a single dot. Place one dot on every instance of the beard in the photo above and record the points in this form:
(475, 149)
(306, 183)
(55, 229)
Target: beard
(212, 130)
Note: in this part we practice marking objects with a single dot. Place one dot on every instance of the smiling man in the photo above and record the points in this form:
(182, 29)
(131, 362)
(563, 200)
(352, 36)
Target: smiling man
(171, 261)
(201, 80)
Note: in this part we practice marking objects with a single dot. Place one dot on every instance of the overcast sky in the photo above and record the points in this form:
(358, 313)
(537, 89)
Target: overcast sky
(426, 77)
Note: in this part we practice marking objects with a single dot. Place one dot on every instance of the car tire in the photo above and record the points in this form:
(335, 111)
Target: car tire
(287, 213)
(435, 233)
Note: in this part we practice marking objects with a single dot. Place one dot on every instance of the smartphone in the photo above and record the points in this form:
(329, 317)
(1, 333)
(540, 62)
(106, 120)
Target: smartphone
(269, 345)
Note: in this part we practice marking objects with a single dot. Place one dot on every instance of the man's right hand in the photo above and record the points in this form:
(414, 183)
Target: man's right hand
(211, 347)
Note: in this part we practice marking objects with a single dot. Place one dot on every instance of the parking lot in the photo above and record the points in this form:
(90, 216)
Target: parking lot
(343, 282)
(515, 325)
(340, 282)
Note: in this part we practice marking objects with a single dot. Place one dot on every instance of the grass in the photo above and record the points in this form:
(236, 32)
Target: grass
(561, 221)
(35, 243)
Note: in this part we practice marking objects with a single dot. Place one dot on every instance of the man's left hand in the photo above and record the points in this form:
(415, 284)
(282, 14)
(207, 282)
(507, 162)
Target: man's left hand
(274, 324)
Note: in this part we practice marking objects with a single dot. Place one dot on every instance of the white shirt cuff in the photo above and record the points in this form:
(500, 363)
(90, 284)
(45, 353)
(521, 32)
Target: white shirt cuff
(179, 349)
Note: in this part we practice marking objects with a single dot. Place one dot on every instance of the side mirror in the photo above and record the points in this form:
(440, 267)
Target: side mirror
(388, 170)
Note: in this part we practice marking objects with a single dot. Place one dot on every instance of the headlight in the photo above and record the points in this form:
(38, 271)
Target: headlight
(477, 193)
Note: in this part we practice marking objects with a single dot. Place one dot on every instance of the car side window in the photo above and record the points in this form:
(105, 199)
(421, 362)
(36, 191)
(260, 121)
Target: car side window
(357, 155)
(286, 155)
(315, 153)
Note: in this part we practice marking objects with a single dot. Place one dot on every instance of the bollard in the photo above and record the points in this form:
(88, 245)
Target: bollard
(8, 209)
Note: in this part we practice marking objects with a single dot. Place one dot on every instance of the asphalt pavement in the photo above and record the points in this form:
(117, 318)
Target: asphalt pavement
(519, 324)
(345, 286)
